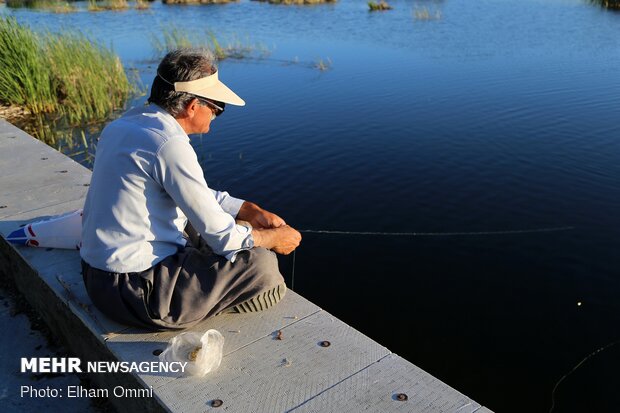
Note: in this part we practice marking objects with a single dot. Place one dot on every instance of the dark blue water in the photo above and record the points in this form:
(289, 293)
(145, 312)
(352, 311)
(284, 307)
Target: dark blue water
(497, 116)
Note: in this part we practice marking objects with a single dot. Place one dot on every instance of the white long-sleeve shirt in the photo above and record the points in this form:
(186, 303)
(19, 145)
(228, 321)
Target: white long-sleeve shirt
(146, 184)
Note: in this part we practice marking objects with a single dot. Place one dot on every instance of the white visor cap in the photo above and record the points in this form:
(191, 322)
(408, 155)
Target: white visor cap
(210, 87)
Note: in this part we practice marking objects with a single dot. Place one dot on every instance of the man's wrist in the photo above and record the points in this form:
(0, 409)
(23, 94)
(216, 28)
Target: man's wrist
(257, 237)
(247, 210)
(263, 238)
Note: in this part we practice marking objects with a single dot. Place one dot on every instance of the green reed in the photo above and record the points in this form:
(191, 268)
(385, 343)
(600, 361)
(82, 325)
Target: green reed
(322, 64)
(64, 74)
(424, 13)
(142, 5)
(298, 2)
(56, 6)
(196, 2)
(380, 6)
(89, 79)
(24, 74)
(114, 5)
(172, 38)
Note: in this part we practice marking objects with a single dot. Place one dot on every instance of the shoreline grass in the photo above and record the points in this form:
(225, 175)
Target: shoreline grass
(107, 5)
(54, 6)
(424, 13)
(197, 2)
(62, 75)
(142, 5)
(296, 2)
(380, 6)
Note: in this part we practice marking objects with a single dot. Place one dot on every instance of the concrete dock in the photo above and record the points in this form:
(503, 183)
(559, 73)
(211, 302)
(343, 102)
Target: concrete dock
(320, 364)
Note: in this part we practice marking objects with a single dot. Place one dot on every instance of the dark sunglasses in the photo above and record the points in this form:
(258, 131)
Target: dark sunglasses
(216, 106)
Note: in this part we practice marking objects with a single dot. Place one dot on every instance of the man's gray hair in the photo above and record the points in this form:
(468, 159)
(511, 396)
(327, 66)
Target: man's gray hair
(180, 65)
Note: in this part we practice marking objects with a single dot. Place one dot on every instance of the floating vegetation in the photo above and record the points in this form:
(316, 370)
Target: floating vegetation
(382, 5)
(198, 1)
(105, 5)
(142, 5)
(323, 65)
(423, 13)
(61, 77)
(172, 38)
(297, 2)
(54, 6)
(608, 4)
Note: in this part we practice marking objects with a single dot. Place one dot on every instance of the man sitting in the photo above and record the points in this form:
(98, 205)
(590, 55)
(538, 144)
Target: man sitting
(159, 247)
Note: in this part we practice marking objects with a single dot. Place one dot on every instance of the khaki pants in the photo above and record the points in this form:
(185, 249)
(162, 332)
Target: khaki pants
(184, 288)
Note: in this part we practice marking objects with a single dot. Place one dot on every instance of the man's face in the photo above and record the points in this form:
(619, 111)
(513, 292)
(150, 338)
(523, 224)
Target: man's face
(203, 118)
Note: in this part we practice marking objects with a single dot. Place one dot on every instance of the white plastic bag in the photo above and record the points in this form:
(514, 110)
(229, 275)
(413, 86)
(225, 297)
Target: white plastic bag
(202, 352)
(60, 231)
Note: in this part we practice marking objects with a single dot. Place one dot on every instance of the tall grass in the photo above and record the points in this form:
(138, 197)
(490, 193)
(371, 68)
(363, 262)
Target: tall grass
(94, 5)
(323, 65)
(24, 75)
(142, 5)
(380, 6)
(56, 6)
(173, 38)
(60, 73)
(198, 1)
(425, 14)
(89, 79)
(298, 2)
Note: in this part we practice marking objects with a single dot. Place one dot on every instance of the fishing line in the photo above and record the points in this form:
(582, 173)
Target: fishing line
(293, 274)
(589, 356)
(424, 234)
(437, 234)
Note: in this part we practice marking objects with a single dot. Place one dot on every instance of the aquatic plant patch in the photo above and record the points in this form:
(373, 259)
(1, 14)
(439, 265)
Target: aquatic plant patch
(380, 6)
(171, 38)
(63, 73)
(297, 2)
(198, 1)
(94, 5)
(55, 6)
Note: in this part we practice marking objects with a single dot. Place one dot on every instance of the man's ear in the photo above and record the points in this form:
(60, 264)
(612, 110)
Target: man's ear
(192, 107)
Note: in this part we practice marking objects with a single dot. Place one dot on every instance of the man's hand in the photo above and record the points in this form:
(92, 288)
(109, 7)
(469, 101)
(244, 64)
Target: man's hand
(258, 217)
(282, 240)
(269, 230)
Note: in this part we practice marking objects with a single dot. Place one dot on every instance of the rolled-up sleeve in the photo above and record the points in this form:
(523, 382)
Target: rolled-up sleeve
(228, 203)
(210, 212)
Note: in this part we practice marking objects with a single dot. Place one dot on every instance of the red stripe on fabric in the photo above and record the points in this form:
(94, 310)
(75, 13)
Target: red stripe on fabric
(31, 231)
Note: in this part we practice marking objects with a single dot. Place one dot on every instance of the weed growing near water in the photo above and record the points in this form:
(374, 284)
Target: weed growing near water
(172, 38)
(380, 6)
(323, 65)
(424, 14)
(297, 2)
(198, 1)
(64, 73)
(55, 6)
(117, 5)
(89, 80)
(142, 5)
